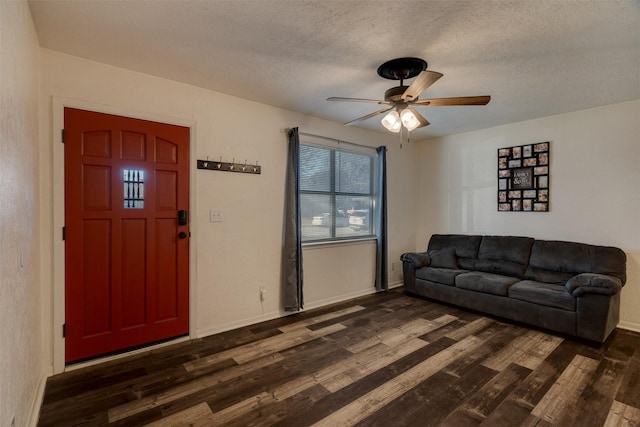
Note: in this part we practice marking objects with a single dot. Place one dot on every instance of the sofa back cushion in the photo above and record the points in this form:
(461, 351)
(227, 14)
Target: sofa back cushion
(556, 261)
(443, 258)
(506, 255)
(466, 247)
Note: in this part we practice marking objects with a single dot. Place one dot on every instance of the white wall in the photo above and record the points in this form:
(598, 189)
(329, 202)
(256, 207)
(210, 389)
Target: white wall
(594, 185)
(233, 258)
(20, 354)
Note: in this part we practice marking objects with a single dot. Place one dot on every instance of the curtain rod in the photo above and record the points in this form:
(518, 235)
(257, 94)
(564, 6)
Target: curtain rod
(339, 141)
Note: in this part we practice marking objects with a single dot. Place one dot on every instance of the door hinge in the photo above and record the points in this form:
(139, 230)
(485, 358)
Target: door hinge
(64, 330)
(62, 132)
(64, 233)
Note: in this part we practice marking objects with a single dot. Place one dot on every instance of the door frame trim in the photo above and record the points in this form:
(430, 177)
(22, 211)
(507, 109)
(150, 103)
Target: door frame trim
(58, 249)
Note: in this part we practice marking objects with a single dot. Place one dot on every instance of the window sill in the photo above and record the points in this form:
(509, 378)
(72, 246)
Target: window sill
(345, 242)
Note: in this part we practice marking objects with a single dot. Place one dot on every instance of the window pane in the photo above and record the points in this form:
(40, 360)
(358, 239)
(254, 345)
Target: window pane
(342, 223)
(315, 168)
(353, 173)
(316, 216)
(359, 211)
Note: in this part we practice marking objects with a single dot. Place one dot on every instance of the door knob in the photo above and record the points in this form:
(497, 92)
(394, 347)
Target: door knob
(182, 235)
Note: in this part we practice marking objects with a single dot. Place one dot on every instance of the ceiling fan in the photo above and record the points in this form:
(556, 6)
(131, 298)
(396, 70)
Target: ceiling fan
(401, 99)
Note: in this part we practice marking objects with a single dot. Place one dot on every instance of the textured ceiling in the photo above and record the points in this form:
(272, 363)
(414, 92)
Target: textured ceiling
(534, 57)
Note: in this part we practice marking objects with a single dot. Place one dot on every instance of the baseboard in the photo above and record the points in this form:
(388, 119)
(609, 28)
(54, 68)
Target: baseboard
(201, 333)
(339, 298)
(630, 326)
(36, 403)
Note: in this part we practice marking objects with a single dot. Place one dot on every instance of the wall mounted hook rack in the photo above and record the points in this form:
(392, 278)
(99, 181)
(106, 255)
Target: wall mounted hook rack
(230, 166)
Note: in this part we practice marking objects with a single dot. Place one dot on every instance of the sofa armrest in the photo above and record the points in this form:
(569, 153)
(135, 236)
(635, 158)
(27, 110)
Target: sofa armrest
(589, 283)
(418, 259)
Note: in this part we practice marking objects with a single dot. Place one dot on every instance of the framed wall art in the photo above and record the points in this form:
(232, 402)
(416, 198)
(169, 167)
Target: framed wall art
(523, 178)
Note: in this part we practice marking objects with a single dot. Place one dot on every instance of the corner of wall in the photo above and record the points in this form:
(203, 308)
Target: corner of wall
(36, 404)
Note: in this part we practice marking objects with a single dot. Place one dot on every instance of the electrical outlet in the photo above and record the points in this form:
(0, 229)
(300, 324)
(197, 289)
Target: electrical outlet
(263, 292)
(215, 215)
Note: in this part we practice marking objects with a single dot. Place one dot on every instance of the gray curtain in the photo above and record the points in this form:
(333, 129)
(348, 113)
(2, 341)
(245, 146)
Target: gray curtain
(292, 245)
(382, 275)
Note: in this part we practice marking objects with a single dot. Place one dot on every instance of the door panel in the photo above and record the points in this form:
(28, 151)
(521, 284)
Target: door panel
(166, 199)
(166, 307)
(127, 269)
(96, 277)
(134, 254)
(134, 146)
(96, 144)
(166, 151)
(96, 188)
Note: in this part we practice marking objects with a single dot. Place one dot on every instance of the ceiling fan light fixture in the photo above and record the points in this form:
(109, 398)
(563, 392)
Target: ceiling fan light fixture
(409, 120)
(401, 99)
(392, 122)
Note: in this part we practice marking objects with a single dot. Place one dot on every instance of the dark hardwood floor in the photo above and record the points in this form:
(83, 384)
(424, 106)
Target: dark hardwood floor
(381, 360)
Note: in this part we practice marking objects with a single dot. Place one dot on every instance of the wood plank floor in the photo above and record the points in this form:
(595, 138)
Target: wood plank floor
(382, 360)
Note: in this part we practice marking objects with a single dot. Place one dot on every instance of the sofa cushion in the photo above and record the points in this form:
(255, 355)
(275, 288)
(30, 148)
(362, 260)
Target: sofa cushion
(506, 248)
(546, 294)
(556, 261)
(443, 258)
(485, 282)
(506, 268)
(445, 276)
(504, 255)
(547, 276)
(466, 247)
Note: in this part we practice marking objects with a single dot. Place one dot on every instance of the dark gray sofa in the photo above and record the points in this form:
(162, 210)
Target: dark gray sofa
(571, 288)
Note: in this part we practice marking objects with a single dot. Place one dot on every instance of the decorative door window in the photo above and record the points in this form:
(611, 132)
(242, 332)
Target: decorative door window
(133, 189)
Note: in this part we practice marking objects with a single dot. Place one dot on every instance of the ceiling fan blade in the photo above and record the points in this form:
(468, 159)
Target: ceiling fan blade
(463, 100)
(373, 101)
(423, 122)
(368, 116)
(421, 83)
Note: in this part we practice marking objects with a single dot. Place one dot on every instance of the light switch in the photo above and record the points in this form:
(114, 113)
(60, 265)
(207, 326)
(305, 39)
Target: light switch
(215, 215)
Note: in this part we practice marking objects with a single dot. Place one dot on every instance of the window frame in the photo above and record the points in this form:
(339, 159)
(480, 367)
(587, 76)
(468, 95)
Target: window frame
(333, 195)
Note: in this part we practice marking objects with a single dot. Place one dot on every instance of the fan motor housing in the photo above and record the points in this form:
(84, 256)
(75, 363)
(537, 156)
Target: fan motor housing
(402, 68)
(395, 94)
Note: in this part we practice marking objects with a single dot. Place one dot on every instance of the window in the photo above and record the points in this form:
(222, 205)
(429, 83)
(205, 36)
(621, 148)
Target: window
(336, 194)
(133, 189)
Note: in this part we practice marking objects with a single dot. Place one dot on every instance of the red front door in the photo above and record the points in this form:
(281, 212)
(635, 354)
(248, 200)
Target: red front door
(126, 227)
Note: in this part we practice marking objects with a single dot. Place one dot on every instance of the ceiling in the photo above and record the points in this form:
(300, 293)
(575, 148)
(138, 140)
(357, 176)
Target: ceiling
(535, 58)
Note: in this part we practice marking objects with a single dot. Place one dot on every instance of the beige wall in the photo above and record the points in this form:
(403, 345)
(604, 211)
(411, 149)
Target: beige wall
(594, 185)
(20, 352)
(441, 185)
(232, 259)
